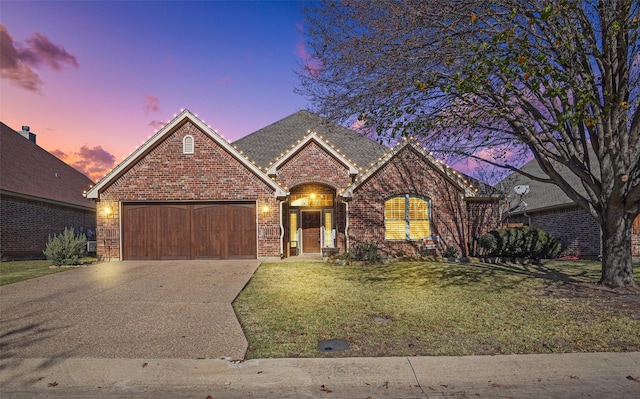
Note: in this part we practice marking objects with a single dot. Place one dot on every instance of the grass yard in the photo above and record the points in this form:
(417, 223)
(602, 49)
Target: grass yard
(425, 308)
(15, 271)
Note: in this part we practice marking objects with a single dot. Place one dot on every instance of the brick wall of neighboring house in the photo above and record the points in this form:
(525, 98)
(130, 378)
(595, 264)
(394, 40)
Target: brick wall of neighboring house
(578, 231)
(409, 173)
(210, 174)
(635, 239)
(312, 164)
(27, 224)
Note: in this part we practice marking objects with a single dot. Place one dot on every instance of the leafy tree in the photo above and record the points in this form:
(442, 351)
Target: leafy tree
(496, 81)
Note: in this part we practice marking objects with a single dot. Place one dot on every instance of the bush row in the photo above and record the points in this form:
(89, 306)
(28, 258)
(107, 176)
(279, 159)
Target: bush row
(520, 242)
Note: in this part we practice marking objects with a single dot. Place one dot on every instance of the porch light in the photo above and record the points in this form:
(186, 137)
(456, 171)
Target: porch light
(265, 208)
(107, 211)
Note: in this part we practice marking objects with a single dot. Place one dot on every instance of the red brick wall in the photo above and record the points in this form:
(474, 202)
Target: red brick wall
(211, 173)
(313, 164)
(578, 232)
(409, 173)
(26, 225)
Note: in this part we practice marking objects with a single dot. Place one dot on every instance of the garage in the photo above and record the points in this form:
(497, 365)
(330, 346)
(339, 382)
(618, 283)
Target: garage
(209, 230)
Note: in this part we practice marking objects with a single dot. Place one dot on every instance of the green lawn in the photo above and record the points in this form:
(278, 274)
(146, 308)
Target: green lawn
(15, 271)
(428, 308)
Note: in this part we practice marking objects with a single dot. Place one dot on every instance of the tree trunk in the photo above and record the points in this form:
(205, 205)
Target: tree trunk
(617, 266)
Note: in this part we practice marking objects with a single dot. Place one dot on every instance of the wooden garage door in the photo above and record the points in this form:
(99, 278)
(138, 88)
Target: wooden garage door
(189, 231)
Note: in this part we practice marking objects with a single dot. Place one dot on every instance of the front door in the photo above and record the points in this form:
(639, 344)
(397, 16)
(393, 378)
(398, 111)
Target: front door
(311, 232)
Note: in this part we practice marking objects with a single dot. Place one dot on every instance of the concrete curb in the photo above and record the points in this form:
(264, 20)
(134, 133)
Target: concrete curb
(601, 375)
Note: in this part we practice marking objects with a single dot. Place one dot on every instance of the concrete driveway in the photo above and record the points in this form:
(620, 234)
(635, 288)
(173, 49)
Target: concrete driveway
(155, 310)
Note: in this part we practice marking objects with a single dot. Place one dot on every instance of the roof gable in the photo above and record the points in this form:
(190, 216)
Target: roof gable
(167, 130)
(301, 144)
(29, 170)
(268, 144)
(452, 175)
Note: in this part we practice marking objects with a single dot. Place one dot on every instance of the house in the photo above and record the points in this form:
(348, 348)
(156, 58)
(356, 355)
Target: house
(546, 206)
(299, 186)
(39, 196)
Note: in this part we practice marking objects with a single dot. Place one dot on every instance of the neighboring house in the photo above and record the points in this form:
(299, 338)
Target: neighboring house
(39, 196)
(299, 186)
(547, 207)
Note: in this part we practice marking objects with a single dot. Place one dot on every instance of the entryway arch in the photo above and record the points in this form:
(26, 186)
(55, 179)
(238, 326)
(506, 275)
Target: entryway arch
(311, 225)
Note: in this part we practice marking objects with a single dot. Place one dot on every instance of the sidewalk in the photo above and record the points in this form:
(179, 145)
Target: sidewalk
(578, 375)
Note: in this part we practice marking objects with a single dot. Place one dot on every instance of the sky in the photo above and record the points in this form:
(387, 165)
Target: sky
(95, 79)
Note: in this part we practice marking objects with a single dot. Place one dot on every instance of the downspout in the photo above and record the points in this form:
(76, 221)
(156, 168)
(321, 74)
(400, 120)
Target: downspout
(527, 216)
(346, 226)
(281, 232)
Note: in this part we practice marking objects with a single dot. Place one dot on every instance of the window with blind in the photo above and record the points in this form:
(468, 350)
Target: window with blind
(406, 217)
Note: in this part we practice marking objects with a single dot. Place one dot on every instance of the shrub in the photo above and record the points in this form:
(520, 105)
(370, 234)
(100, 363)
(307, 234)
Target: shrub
(367, 252)
(66, 248)
(450, 252)
(520, 242)
(488, 243)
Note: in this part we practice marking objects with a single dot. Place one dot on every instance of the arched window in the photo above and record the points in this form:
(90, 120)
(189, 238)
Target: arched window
(407, 217)
(187, 144)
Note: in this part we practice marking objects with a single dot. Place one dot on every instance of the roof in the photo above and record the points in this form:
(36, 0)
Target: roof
(543, 195)
(28, 170)
(267, 145)
(167, 130)
(457, 178)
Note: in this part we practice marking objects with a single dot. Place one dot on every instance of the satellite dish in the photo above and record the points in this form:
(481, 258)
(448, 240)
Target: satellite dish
(521, 190)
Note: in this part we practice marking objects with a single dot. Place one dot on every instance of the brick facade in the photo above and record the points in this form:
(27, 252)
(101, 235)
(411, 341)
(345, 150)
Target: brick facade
(312, 164)
(211, 173)
(577, 230)
(409, 173)
(28, 223)
(161, 172)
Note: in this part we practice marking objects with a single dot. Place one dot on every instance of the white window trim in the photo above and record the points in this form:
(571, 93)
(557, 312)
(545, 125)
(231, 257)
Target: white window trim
(188, 145)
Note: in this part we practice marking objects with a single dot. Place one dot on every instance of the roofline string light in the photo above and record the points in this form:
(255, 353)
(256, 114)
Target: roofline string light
(429, 155)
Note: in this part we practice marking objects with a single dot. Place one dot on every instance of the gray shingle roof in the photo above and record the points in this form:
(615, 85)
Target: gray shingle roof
(543, 195)
(266, 145)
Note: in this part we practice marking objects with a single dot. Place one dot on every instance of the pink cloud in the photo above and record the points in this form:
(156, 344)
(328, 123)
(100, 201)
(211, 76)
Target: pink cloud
(17, 60)
(157, 125)
(151, 104)
(312, 65)
(94, 162)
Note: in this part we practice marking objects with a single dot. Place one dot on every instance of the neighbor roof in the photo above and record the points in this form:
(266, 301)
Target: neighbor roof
(543, 195)
(28, 170)
(267, 144)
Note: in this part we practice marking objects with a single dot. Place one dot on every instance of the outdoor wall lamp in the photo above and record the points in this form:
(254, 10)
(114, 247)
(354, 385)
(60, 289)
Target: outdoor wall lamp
(107, 210)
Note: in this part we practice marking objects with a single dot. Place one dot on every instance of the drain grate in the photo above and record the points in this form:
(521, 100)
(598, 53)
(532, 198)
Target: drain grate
(333, 345)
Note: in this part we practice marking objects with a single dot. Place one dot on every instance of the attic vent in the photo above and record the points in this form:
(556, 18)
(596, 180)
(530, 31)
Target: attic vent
(187, 144)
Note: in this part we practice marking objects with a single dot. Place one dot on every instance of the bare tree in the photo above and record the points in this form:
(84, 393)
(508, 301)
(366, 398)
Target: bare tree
(494, 81)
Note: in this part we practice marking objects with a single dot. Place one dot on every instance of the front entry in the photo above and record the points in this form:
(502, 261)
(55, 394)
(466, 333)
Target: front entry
(311, 232)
